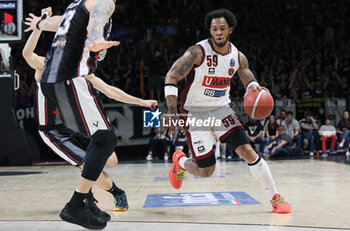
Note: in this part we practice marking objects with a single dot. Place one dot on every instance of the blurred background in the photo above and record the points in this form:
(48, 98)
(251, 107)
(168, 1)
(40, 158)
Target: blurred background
(299, 50)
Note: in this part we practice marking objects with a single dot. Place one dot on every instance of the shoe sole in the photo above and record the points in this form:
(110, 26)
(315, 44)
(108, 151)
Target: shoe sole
(71, 220)
(120, 209)
(282, 211)
(287, 210)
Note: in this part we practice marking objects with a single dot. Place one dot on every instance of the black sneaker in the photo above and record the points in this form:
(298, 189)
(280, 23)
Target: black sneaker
(96, 210)
(121, 203)
(82, 216)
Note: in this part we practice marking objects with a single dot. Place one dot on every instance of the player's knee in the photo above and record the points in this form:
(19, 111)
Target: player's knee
(106, 139)
(112, 161)
(206, 172)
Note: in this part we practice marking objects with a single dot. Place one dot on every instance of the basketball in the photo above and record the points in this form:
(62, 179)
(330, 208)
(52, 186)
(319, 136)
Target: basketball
(258, 104)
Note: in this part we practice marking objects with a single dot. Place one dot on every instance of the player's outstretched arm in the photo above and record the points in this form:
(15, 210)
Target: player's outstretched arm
(117, 94)
(49, 24)
(180, 69)
(35, 61)
(101, 11)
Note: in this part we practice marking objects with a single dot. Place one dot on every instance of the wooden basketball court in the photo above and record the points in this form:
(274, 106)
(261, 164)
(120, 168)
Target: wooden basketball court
(318, 189)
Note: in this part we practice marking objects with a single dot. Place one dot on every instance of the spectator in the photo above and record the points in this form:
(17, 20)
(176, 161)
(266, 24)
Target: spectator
(343, 129)
(327, 132)
(158, 145)
(271, 132)
(281, 117)
(154, 66)
(254, 130)
(292, 128)
(281, 146)
(308, 131)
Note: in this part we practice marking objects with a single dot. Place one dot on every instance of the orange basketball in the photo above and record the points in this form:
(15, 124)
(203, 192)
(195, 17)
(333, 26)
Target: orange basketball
(258, 104)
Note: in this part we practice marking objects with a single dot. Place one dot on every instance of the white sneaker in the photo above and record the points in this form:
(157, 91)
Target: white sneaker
(311, 154)
(166, 158)
(149, 157)
(347, 153)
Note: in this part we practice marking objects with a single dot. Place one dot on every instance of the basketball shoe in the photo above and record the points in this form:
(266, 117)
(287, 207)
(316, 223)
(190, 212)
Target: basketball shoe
(177, 173)
(279, 205)
(121, 203)
(83, 216)
(96, 210)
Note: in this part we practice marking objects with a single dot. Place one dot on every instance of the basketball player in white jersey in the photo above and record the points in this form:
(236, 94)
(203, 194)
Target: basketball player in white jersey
(208, 68)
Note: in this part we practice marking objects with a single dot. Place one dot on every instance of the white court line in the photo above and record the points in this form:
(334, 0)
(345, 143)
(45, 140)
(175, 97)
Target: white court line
(150, 226)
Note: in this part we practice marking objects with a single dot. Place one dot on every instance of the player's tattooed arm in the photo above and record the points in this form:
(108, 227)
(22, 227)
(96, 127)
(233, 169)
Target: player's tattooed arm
(99, 15)
(245, 74)
(180, 69)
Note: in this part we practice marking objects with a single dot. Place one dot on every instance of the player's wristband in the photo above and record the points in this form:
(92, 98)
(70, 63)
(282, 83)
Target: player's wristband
(42, 18)
(170, 89)
(253, 83)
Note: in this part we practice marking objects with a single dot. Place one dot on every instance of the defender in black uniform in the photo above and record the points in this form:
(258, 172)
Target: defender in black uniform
(69, 145)
(79, 29)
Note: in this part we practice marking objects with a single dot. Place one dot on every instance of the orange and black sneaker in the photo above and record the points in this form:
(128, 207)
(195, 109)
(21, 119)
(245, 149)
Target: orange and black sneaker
(176, 173)
(279, 205)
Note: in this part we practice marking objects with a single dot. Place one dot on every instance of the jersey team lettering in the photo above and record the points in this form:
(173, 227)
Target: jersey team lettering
(214, 93)
(216, 82)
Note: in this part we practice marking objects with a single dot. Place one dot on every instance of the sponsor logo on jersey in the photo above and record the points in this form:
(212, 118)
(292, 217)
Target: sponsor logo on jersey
(214, 93)
(216, 82)
(231, 71)
(201, 149)
(95, 123)
(198, 142)
(211, 71)
(232, 63)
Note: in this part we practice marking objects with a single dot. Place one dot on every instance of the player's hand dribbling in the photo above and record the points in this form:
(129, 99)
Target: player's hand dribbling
(101, 44)
(254, 88)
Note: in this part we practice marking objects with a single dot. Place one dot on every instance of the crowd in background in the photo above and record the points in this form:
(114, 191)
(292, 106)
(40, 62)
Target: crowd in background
(279, 136)
(288, 137)
(297, 49)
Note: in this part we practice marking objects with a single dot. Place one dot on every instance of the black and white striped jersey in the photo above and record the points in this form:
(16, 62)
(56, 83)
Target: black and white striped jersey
(66, 58)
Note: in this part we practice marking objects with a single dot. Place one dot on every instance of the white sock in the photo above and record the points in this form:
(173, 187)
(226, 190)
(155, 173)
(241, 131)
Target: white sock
(261, 171)
(182, 162)
(217, 149)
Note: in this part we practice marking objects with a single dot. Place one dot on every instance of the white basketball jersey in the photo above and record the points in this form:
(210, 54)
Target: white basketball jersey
(208, 85)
